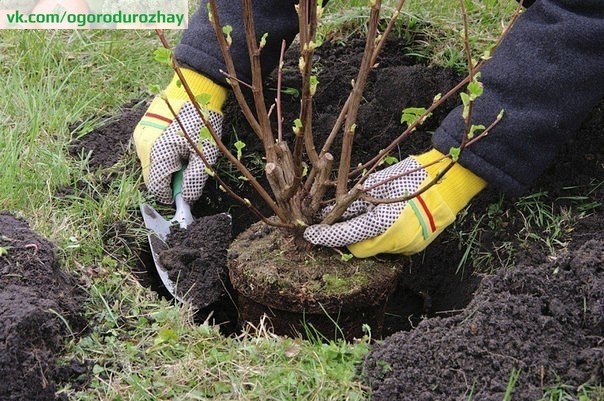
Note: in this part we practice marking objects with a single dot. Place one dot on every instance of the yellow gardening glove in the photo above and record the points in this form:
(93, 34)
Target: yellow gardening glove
(402, 227)
(161, 147)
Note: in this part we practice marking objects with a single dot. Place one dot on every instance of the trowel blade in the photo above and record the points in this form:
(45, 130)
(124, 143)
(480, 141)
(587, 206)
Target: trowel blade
(157, 246)
(155, 222)
(160, 228)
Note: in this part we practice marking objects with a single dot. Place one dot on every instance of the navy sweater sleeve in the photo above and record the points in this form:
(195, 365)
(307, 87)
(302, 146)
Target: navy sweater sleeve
(546, 75)
(199, 48)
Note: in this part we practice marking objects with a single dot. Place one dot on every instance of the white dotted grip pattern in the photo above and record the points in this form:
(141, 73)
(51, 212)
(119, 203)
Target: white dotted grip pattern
(371, 220)
(171, 150)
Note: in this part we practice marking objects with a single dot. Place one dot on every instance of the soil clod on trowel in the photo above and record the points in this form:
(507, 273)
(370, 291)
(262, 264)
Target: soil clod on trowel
(196, 260)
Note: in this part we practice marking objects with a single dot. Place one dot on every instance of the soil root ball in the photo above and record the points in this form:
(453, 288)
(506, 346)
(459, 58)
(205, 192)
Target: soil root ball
(297, 288)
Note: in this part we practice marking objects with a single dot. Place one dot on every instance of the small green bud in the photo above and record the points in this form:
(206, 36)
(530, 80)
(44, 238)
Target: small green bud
(455, 152)
(263, 40)
(313, 84)
(345, 257)
(297, 128)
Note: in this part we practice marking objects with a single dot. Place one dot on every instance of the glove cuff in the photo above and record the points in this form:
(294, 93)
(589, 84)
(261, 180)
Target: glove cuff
(199, 84)
(458, 185)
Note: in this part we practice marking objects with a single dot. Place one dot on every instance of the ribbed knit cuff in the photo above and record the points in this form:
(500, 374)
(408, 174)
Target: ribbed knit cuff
(198, 84)
(458, 185)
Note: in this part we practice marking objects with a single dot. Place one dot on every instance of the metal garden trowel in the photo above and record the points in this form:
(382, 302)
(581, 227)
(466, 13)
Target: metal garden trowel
(160, 228)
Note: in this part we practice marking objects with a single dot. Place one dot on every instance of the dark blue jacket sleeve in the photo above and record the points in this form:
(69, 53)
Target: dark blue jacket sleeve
(547, 75)
(199, 48)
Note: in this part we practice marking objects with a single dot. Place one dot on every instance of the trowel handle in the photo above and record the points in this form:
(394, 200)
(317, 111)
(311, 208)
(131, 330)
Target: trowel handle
(183, 210)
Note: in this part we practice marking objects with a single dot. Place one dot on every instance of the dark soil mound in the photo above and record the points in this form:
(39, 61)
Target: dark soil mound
(116, 131)
(545, 320)
(40, 307)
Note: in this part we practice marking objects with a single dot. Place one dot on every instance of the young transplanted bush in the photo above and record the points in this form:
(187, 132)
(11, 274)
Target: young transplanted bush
(301, 174)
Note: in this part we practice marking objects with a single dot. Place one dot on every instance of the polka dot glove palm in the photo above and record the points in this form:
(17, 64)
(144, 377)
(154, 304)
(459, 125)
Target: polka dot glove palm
(162, 148)
(405, 227)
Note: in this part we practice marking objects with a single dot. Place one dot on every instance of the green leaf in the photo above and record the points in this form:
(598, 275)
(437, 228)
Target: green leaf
(465, 99)
(411, 115)
(97, 369)
(475, 89)
(390, 160)
(154, 88)
(203, 99)
(163, 55)
(204, 134)
(455, 152)
(239, 145)
(168, 336)
(291, 91)
(475, 128)
(346, 257)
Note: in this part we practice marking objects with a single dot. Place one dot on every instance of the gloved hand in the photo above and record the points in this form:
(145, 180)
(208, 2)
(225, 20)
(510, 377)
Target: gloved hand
(161, 147)
(402, 227)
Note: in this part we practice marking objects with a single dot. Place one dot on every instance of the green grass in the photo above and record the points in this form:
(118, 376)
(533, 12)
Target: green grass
(443, 44)
(143, 347)
(541, 222)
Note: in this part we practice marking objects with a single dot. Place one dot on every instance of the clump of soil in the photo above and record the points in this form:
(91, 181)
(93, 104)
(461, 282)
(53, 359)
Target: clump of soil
(40, 308)
(273, 276)
(546, 320)
(116, 132)
(196, 260)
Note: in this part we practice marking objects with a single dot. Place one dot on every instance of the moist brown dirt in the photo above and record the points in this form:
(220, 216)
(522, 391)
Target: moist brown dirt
(456, 327)
(196, 260)
(40, 309)
(544, 320)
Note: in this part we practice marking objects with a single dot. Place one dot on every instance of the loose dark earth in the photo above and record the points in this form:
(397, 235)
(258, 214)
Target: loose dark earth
(454, 327)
